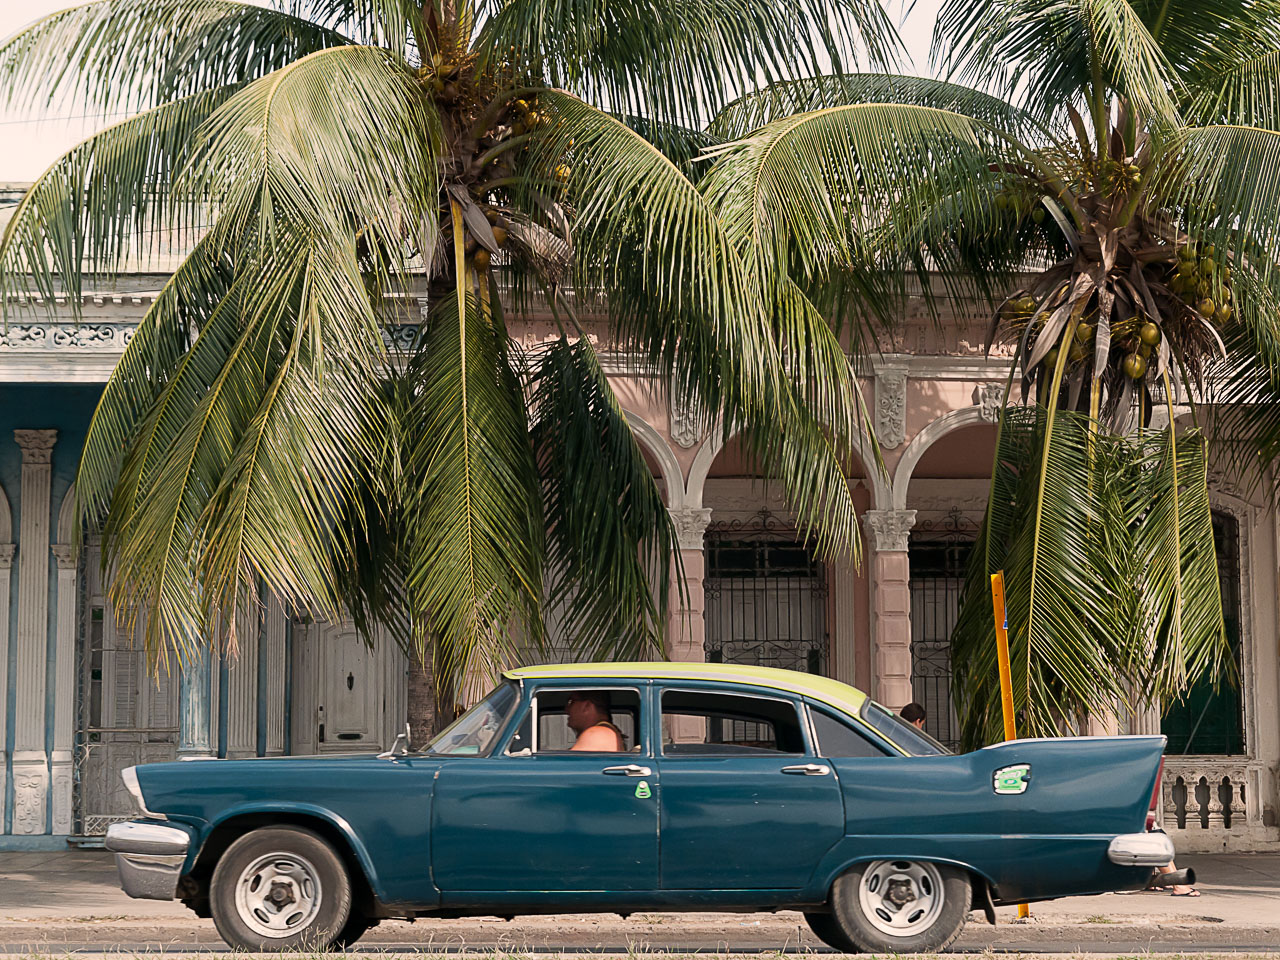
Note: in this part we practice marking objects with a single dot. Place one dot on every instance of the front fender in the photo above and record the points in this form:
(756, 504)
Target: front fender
(292, 812)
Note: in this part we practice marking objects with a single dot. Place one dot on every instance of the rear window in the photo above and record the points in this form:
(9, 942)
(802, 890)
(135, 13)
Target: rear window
(916, 742)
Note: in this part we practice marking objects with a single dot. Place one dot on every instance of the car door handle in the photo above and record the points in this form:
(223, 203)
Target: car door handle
(628, 770)
(808, 769)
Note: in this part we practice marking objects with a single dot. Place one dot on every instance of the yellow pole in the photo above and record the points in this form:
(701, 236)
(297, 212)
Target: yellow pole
(1006, 678)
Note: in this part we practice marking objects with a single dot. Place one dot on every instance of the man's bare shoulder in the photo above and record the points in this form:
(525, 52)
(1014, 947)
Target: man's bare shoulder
(599, 739)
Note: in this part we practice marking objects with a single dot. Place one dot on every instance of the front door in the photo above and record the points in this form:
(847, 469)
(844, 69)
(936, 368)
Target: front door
(745, 803)
(538, 816)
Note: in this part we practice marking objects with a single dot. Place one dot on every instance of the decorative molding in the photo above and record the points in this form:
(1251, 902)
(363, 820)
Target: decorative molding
(691, 526)
(890, 529)
(65, 554)
(30, 789)
(94, 337)
(687, 421)
(37, 446)
(7, 551)
(989, 397)
(891, 405)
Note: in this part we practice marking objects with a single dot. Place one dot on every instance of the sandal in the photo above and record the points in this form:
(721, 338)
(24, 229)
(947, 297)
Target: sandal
(1193, 892)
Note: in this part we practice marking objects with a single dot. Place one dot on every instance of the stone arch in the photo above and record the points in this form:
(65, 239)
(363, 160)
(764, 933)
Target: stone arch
(711, 447)
(652, 441)
(922, 441)
(6, 519)
(66, 531)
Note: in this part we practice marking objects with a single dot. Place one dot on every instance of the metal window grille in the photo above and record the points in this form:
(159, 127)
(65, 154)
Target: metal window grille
(766, 599)
(938, 560)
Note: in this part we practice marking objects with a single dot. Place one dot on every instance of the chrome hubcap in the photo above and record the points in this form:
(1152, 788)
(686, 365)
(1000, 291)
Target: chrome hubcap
(900, 897)
(278, 895)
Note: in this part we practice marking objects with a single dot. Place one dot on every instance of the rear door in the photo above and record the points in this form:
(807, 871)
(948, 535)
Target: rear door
(746, 804)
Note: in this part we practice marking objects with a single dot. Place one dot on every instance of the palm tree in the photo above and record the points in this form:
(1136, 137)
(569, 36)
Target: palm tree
(1120, 174)
(332, 162)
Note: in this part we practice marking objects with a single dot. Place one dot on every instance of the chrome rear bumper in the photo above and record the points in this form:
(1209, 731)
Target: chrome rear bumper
(149, 857)
(1141, 849)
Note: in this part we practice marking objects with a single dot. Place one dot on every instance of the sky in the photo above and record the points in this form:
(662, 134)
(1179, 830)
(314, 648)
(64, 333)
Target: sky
(30, 142)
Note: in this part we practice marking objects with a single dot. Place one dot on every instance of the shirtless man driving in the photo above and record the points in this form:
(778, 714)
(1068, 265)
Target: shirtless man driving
(588, 712)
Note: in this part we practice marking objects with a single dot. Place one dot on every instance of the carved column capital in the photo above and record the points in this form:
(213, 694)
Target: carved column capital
(65, 554)
(891, 406)
(37, 445)
(6, 555)
(691, 526)
(889, 530)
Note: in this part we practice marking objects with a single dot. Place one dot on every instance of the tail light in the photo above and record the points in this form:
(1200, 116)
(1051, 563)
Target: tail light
(1155, 796)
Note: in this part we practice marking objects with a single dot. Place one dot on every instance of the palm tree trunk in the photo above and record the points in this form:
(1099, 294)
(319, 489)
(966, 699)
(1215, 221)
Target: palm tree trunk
(424, 715)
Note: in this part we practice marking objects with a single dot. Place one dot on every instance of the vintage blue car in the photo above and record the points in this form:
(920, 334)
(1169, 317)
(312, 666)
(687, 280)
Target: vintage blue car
(703, 787)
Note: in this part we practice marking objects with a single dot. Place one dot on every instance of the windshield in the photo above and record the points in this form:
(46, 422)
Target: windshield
(911, 739)
(473, 733)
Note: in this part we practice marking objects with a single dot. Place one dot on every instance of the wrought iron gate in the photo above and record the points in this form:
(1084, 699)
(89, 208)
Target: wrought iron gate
(766, 601)
(127, 715)
(938, 561)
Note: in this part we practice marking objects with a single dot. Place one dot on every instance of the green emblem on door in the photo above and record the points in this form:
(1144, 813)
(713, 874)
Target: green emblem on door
(1012, 780)
(642, 790)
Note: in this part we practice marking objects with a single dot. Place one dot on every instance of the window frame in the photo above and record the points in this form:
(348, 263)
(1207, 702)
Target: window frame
(856, 724)
(531, 714)
(802, 722)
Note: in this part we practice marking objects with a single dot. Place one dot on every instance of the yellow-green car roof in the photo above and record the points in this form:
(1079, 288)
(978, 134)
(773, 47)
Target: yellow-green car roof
(839, 695)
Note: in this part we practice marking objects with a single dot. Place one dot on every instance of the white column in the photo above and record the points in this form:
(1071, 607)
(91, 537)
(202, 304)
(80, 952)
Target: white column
(273, 653)
(64, 685)
(6, 567)
(242, 685)
(891, 604)
(686, 626)
(30, 762)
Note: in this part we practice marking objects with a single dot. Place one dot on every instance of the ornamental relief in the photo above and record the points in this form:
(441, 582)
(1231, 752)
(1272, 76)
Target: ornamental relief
(105, 337)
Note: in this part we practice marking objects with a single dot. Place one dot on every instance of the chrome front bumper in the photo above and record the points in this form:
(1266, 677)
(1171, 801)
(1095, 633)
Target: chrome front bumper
(149, 857)
(1141, 850)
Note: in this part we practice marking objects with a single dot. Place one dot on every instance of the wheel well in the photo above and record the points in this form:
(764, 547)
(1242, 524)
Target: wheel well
(226, 833)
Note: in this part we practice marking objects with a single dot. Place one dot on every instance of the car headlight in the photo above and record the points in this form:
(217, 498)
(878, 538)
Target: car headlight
(130, 777)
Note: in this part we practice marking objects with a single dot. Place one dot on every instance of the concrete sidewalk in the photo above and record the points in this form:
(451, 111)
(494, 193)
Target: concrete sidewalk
(72, 898)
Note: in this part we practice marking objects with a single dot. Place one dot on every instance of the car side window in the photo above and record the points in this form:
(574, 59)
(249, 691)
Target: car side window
(707, 723)
(838, 738)
(606, 719)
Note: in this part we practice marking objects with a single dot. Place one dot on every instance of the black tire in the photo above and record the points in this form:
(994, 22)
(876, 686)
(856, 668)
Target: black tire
(826, 929)
(357, 926)
(908, 906)
(280, 888)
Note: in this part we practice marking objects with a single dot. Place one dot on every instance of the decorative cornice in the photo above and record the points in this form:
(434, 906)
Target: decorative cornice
(100, 337)
(891, 405)
(691, 526)
(890, 529)
(37, 445)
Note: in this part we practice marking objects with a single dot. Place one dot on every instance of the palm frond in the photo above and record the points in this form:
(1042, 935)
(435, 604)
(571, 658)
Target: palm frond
(107, 202)
(474, 522)
(682, 61)
(611, 543)
(1049, 53)
(784, 99)
(125, 55)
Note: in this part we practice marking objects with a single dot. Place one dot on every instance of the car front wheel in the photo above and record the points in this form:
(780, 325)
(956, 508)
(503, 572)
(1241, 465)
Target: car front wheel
(900, 906)
(280, 888)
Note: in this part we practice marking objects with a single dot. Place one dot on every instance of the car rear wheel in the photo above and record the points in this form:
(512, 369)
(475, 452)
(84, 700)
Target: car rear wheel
(900, 906)
(827, 930)
(280, 888)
